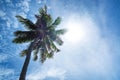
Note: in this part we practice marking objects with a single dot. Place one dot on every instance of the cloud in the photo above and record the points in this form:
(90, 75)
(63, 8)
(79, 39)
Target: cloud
(3, 58)
(6, 74)
(24, 5)
(46, 72)
(2, 13)
(8, 1)
(4, 71)
(39, 1)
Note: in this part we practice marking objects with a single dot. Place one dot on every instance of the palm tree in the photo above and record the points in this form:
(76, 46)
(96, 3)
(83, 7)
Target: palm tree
(42, 36)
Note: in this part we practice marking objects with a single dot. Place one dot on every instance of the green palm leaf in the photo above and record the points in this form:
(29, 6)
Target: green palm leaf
(57, 21)
(28, 24)
(23, 53)
(59, 41)
(60, 32)
(43, 56)
(53, 46)
(50, 55)
(43, 11)
(36, 50)
(35, 57)
(25, 33)
(23, 39)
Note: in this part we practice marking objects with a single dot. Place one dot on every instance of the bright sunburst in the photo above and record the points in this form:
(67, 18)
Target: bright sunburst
(76, 31)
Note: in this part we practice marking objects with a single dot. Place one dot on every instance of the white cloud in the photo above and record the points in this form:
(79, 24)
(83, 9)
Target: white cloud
(0, 37)
(46, 72)
(3, 58)
(8, 1)
(8, 23)
(39, 1)
(24, 5)
(6, 72)
(2, 13)
(23, 14)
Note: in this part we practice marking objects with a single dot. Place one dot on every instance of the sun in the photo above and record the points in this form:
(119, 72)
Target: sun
(76, 31)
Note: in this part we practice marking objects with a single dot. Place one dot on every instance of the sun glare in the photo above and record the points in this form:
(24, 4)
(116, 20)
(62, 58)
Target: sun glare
(76, 32)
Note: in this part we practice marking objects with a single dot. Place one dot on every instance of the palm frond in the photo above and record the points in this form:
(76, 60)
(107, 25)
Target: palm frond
(52, 35)
(60, 32)
(23, 53)
(57, 21)
(59, 41)
(35, 57)
(45, 7)
(24, 36)
(50, 28)
(53, 46)
(45, 51)
(36, 50)
(25, 33)
(23, 39)
(43, 56)
(43, 11)
(48, 44)
(28, 24)
(49, 20)
(50, 55)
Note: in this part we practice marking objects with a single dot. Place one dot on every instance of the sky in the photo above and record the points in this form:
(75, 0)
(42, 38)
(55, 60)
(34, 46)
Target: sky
(91, 49)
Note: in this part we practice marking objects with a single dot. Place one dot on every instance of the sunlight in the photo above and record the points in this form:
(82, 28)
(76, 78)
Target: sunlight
(76, 31)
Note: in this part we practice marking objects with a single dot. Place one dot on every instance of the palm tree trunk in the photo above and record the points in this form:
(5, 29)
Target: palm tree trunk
(26, 63)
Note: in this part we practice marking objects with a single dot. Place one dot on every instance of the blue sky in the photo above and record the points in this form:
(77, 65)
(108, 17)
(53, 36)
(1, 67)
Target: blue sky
(91, 49)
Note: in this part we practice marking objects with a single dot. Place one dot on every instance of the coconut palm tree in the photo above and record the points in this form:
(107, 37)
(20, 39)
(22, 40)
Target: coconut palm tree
(42, 36)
